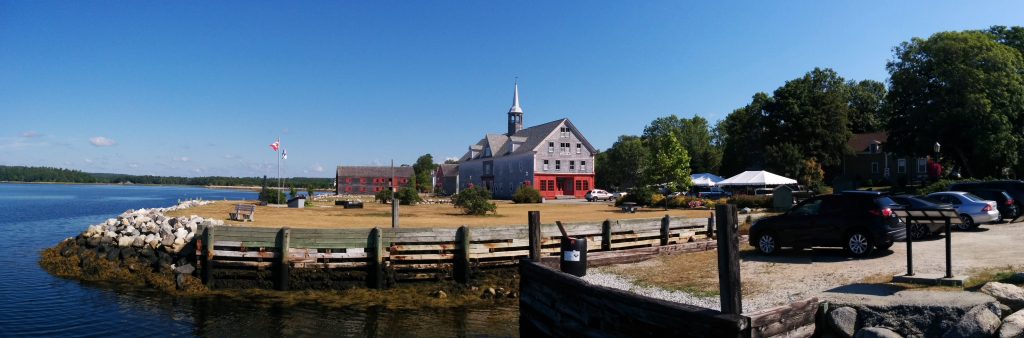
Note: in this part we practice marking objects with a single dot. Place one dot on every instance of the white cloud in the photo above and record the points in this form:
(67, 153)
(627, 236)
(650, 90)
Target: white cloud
(101, 141)
(182, 159)
(231, 157)
(89, 160)
(30, 134)
(133, 165)
(197, 170)
(317, 167)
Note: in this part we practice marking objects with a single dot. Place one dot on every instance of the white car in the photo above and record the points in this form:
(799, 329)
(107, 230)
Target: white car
(619, 195)
(598, 194)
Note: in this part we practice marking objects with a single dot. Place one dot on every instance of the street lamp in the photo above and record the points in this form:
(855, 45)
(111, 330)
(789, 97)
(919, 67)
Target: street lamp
(937, 148)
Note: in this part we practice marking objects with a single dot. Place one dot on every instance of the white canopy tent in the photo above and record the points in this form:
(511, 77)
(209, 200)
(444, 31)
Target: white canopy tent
(761, 178)
(705, 180)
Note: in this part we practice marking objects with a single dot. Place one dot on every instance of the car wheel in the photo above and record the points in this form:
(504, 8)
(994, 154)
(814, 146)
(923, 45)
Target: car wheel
(966, 223)
(859, 243)
(767, 243)
(918, 231)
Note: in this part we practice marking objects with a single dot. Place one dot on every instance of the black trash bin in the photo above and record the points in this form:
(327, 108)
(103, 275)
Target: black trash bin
(573, 259)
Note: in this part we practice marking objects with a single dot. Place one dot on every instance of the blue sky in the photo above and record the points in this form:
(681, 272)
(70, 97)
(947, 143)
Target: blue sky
(194, 88)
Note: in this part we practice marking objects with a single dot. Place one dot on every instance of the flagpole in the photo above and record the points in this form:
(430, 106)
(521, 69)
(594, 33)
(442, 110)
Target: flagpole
(278, 168)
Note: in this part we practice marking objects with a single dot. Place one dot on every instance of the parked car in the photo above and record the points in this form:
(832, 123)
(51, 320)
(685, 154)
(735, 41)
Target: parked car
(764, 192)
(714, 193)
(973, 210)
(1004, 202)
(598, 194)
(1014, 188)
(620, 194)
(922, 230)
(858, 221)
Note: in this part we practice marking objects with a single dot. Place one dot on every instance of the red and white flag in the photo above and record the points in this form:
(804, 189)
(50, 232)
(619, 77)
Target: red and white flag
(275, 145)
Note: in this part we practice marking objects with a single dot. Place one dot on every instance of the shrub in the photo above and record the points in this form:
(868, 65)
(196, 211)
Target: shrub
(408, 196)
(941, 185)
(272, 196)
(640, 196)
(749, 201)
(383, 196)
(679, 202)
(474, 201)
(526, 194)
(657, 200)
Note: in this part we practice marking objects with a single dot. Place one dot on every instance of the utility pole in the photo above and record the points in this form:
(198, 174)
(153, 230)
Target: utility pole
(394, 197)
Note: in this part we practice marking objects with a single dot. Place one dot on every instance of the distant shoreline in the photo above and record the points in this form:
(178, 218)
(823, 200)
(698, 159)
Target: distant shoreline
(212, 187)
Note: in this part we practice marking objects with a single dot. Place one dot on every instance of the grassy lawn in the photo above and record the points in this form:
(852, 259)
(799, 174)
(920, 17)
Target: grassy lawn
(693, 273)
(326, 215)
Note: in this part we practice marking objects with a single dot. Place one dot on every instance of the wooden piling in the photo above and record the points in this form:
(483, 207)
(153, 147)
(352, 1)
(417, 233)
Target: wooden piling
(375, 260)
(208, 237)
(461, 259)
(711, 226)
(729, 259)
(534, 229)
(664, 230)
(606, 235)
(283, 273)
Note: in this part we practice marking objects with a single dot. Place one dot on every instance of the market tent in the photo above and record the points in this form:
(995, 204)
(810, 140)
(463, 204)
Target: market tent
(705, 179)
(760, 177)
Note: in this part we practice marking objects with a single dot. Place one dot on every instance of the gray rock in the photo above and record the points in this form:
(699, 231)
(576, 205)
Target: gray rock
(106, 240)
(843, 321)
(139, 241)
(187, 269)
(911, 313)
(168, 239)
(439, 294)
(179, 281)
(877, 332)
(1013, 325)
(977, 323)
(93, 242)
(1008, 294)
(113, 254)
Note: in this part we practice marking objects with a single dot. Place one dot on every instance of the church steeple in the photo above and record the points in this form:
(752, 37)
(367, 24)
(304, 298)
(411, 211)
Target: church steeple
(515, 114)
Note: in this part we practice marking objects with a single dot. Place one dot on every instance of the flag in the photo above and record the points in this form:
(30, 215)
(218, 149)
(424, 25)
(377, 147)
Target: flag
(284, 155)
(275, 145)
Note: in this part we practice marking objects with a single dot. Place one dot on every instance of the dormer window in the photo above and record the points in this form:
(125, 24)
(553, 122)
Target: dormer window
(874, 148)
(487, 152)
(565, 132)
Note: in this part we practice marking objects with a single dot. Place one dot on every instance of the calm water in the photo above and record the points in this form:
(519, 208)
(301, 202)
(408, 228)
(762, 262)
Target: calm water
(33, 303)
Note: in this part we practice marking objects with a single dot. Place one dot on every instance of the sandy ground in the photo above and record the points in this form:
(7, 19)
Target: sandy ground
(326, 215)
(792, 275)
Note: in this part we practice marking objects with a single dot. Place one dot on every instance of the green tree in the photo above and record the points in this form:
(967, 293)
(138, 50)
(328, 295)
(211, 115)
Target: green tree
(867, 106)
(811, 113)
(622, 165)
(964, 90)
(291, 191)
(408, 196)
(1009, 36)
(697, 137)
(670, 163)
(474, 201)
(741, 135)
(785, 159)
(424, 169)
(812, 175)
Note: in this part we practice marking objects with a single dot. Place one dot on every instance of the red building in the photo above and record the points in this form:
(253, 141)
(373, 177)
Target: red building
(363, 180)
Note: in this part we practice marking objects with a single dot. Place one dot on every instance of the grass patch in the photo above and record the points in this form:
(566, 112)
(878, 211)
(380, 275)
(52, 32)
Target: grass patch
(980, 276)
(692, 273)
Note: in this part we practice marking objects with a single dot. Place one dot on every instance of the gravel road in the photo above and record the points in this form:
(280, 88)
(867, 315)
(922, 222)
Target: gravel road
(793, 275)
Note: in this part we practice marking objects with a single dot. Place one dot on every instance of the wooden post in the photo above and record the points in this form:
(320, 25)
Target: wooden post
(711, 226)
(534, 227)
(664, 230)
(729, 260)
(461, 262)
(283, 273)
(606, 235)
(208, 238)
(375, 260)
(910, 245)
(949, 248)
(394, 209)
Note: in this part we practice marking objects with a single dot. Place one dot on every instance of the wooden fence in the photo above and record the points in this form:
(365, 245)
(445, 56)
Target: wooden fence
(378, 257)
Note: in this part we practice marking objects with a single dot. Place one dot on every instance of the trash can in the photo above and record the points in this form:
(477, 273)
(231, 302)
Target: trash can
(573, 259)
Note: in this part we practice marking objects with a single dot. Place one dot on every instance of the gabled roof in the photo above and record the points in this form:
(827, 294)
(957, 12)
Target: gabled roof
(861, 142)
(370, 171)
(528, 140)
(449, 170)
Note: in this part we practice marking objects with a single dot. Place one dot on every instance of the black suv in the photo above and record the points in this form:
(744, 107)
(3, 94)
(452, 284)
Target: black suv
(1014, 188)
(858, 221)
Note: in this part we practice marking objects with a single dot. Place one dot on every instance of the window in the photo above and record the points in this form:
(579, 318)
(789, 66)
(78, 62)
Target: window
(551, 147)
(583, 166)
(572, 165)
(579, 148)
(348, 180)
(487, 152)
(579, 185)
(564, 132)
(377, 189)
(348, 189)
(362, 181)
(363, 189)
(873, 148)
(874, 167)
(551, 185)
(901, 166)
(545, 165)
(586, 185)
(558, 165)
(921, 166)
(564, 148)
(807, 209)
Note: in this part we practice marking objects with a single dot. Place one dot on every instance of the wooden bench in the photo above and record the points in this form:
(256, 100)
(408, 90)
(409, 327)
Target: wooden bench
(629, 207)
(243, 212)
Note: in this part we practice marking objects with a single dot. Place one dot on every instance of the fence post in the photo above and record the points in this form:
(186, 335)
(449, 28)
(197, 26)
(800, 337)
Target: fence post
(535, 240)
(664, 230)
(711, 226)
(208, 238)
(728, 259)
(283, 268)
(375, 260)
(910, 246)
(949, 248)
(606, 235)
(461, 262)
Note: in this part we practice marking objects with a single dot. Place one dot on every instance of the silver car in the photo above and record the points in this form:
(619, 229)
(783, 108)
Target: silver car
(973, 210)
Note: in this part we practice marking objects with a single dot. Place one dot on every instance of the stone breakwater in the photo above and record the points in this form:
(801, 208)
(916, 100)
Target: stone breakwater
(146, 237)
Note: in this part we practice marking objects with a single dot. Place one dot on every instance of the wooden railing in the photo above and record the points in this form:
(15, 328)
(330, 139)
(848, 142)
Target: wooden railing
(382, 256)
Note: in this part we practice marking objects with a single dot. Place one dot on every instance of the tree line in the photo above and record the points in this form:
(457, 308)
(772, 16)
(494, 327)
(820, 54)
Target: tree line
(59, 175)
(964, 90)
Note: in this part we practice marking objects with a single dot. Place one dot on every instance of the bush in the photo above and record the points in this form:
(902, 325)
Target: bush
(749, 201)
(526, 194)
(383, 196)
(408, 196)
(640, 196)
(941, 185)
(474, 201)
(272, 196)
(657, 200)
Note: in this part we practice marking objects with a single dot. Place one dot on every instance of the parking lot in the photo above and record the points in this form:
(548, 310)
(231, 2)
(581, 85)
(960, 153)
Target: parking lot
(806, 273)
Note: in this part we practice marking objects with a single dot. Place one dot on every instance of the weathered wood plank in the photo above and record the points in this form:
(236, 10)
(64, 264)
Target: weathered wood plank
(403, 257)
(249, 264)
(334, 265)
(247, 254)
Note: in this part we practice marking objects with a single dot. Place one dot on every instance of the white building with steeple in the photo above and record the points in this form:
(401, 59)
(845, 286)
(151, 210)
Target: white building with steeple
(553, 157)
